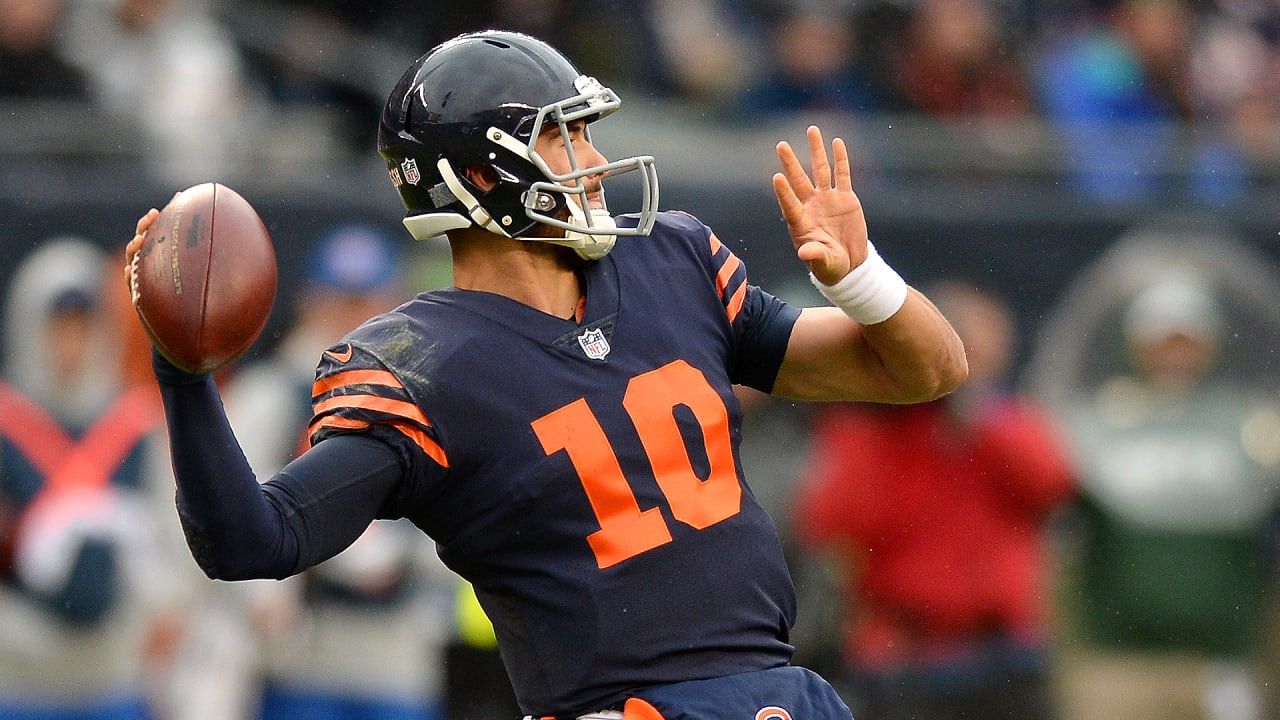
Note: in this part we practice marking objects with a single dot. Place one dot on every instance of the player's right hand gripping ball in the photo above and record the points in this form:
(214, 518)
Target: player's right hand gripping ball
(204, 279)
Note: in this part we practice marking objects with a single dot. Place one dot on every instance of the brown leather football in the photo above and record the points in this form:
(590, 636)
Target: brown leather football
(205, 278)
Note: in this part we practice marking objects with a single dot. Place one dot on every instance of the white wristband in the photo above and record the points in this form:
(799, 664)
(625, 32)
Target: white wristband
(870, 293)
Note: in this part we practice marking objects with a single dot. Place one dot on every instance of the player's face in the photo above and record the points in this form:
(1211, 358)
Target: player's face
(69, 334)
(1176, 361)
(557, 152)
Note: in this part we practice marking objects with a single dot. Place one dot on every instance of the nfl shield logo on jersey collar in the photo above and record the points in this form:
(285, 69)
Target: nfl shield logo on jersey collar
(594, 343)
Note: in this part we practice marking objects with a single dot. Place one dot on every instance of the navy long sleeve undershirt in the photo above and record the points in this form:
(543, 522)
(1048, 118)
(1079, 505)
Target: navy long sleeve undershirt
(237, 529)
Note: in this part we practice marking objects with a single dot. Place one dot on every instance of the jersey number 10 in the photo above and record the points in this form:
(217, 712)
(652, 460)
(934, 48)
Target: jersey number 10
(626, 530)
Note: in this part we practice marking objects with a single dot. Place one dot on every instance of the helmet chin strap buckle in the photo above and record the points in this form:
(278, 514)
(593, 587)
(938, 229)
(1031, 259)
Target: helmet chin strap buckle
(591, 242)
(544, 202)
(590, 245)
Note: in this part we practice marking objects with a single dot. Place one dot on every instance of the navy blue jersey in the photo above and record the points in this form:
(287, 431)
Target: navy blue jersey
(584, 475)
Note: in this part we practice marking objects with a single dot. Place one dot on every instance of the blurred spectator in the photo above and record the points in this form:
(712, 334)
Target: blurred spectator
(796, 77)
(1125, 99)
(338, 57)
(952, 61)
(353, 271)
(333, 57)
(30, 66)
(1236, 73)
(707, 53)
(362, 634)
(558, 22)
(90, 586)
(170, 67)
(935, 516)
(1169, 565)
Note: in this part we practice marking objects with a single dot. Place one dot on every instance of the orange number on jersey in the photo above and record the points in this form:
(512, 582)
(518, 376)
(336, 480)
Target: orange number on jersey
(626, 530)
(650, 400)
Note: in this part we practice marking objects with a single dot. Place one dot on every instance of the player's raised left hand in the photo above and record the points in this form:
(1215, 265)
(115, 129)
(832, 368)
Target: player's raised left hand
(823, 214)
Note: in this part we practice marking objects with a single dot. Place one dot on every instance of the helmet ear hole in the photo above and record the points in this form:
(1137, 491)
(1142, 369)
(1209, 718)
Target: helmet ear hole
(484, 177)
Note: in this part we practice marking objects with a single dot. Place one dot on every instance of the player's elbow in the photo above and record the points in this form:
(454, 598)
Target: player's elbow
(230, 561)
(216, 567)
(930, 381)
(211, 566)
(951, 374)
(231, 572)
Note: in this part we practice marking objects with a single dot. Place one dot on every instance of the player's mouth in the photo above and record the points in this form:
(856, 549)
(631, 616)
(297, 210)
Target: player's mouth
(595, 196)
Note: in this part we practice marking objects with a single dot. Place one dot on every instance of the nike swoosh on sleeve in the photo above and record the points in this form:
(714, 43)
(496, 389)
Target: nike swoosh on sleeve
(341, 356)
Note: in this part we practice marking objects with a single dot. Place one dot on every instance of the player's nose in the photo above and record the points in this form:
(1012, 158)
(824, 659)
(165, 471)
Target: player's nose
(591, 157)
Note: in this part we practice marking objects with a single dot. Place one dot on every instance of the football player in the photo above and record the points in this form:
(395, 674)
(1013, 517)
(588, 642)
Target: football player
(562, 420)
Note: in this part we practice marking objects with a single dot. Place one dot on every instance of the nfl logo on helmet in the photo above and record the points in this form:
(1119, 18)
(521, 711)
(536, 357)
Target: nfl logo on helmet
(594, 344)
(411, 174)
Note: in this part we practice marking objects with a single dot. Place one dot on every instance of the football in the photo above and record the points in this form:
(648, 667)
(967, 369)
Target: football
(205, 278)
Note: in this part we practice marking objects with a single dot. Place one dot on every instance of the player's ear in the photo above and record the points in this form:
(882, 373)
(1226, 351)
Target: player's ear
(482, 176)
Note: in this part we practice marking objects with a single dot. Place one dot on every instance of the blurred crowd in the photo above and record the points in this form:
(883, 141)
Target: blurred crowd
(1092, 539)
(1136, 91)
(1083, 533)
(1094, 536)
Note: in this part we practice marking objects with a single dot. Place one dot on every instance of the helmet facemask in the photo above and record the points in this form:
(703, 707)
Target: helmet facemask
(589, 231)
(528, 186)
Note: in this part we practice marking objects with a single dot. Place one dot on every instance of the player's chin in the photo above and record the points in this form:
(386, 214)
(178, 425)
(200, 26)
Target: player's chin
(542, 231)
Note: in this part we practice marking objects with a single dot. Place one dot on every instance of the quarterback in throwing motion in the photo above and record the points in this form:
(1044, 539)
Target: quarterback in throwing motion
(562, 420)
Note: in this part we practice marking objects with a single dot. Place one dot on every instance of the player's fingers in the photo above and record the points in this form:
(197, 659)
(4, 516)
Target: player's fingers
(793, 171)
(145, 221)
(812, 252)
(790, 205)
(843, 173)
(818, 158)
(131, 251)
(131, 266)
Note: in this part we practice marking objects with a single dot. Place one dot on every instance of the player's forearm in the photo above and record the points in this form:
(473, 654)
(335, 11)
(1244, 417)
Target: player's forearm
(914, 356)
(233, 529)
(919, 354)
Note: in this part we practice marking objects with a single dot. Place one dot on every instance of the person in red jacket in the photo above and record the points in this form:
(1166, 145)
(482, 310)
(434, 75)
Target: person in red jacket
(935, 518)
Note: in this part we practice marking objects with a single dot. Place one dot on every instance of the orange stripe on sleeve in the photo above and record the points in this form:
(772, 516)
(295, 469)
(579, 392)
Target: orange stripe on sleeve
(354, 377)
(409, 430)
(406, 410)
(337, 423)
(731, 265)
(735, 303)
(429, 446)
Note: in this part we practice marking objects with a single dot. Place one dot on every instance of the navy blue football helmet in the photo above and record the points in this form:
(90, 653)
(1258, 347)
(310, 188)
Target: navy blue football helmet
(482, 99)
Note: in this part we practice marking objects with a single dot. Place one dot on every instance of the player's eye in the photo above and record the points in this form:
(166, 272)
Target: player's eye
(577, 131)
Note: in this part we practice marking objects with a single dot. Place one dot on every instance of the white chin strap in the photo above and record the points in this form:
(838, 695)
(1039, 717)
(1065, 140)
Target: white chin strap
(592, 245)
(589, 246)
